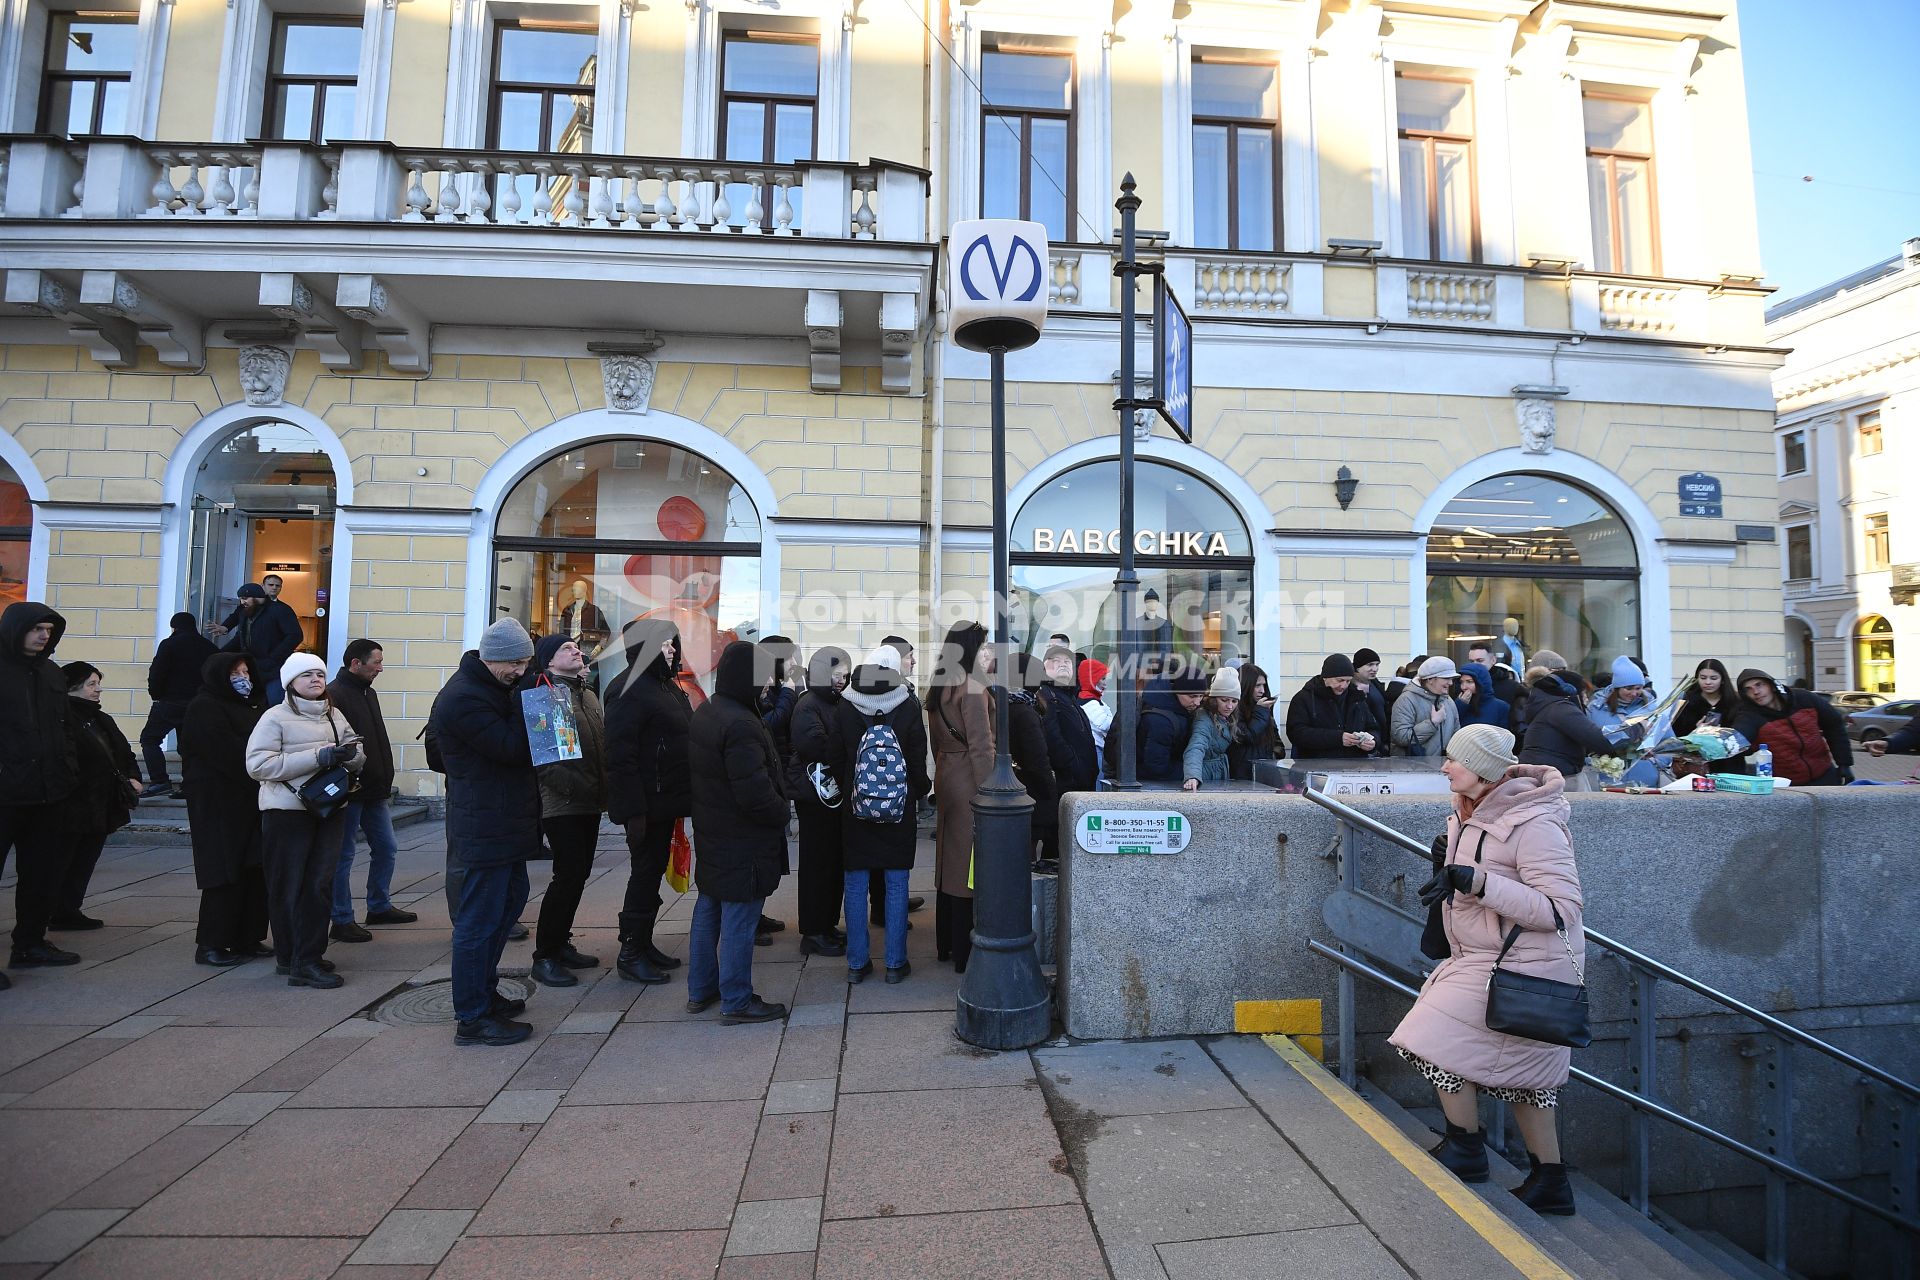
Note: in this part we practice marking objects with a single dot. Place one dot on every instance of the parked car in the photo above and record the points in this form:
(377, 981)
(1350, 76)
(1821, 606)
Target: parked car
(1872, 723)
(1853, 699)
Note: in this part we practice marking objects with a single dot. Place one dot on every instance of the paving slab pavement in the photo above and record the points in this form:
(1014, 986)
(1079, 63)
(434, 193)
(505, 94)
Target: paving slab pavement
(154, 1113)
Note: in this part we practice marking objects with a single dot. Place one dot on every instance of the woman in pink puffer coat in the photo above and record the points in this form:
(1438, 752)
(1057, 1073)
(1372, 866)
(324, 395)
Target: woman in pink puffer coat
(1509, 862)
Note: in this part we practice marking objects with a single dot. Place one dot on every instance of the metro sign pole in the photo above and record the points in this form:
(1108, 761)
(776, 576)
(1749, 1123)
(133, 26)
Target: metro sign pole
(998, 269)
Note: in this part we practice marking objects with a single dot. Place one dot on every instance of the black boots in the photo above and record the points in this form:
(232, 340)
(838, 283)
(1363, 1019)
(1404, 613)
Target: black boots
(822, 944)
(634, 965)
(492, 1030)
(1546, 1189)
(549, 972)
(217, 957)
(1463, 1153)
(312, 975)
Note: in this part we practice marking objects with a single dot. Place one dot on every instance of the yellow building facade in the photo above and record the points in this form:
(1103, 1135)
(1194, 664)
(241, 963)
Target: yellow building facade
(442, 312)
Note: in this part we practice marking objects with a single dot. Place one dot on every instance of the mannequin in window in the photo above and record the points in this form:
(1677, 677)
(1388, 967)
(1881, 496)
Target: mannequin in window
(581, 620)
(1510, 641)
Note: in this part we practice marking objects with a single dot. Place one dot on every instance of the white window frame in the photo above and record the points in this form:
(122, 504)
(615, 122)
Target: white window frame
(1092, 41)
(23, 57)
(240, 98)
(1285, 36)
(1805, 433)
(830, 21)
(1471, 49)
(470, 68)
(1813, 551)
(1866, 541)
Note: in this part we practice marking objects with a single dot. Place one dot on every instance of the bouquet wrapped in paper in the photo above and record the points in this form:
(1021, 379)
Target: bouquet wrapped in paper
(1643, 736)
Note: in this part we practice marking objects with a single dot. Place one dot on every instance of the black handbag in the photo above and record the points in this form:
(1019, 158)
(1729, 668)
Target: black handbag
(327, 790)
(1542, 1009)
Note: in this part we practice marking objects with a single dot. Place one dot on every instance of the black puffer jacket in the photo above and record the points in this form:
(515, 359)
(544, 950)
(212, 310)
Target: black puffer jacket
(101, 803)
(647, 720)
(1032, 765)
(813, 742)
(1076, 765)
(1559, 733)
(1160, 735)
(739, 805)
(223, 801)
(875, 696)
(493, 802)
(174, 673)
(361, 706)
(37, 759)
(1317, 717)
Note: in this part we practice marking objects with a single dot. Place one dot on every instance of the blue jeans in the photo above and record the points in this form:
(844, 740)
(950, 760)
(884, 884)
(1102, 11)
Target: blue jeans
(276, 693)
(857, 943)
(720, 951)
(375, 817)
(491, 899)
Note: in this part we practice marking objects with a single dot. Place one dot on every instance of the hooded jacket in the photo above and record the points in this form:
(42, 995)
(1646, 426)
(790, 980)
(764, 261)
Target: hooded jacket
(812, 733)
(571, 788)
(1317, 717)
(493, 799)
(174, 673)
(1518, 835)
(356, 700)
(1807, 736)
(100, 804)
(1486, 707)
(647, 717)
(1559, 733)
(1414, 729)
(38, 764)
(223, 800)
(1161, 734)
(739, 805)
(878, 694)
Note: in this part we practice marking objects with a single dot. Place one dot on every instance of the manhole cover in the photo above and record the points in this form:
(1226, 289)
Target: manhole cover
(431, 1004)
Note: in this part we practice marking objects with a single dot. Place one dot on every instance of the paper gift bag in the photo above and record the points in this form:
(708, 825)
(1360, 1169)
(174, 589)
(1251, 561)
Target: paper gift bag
(553, 734)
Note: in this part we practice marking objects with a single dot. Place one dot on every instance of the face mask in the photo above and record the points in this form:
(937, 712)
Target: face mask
(241, 685)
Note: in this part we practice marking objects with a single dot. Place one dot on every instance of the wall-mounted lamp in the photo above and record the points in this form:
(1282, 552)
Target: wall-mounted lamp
(1558, 263)
(1338, 245)
(1345, 483)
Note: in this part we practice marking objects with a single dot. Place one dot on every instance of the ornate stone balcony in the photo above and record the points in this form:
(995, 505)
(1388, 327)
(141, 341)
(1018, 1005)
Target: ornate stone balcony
(134, 242)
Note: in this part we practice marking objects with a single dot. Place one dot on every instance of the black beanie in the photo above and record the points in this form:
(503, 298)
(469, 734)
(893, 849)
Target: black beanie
(1336, 665)
(1363, 657)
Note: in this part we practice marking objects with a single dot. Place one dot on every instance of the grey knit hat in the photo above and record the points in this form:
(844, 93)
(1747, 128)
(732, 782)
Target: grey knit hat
(1549, 659)
(1487, 749)
(506, 641)
(1435, 668)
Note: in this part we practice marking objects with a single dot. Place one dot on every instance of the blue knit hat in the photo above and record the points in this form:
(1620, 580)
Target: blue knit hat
(1626, 672)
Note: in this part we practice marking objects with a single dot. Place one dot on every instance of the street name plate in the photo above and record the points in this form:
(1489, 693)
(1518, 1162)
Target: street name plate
(1128, 831)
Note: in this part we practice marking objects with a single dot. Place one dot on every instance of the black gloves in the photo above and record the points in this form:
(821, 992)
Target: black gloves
(1446, 882)
(1846, 773)
(331, 756)
(1438, 851)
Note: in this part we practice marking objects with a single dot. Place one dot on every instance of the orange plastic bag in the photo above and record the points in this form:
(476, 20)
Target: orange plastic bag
(680, 860)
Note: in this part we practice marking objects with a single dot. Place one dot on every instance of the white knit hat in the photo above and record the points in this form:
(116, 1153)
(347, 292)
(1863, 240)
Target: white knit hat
(1226, 684)
(290, 669)
(1487, 749)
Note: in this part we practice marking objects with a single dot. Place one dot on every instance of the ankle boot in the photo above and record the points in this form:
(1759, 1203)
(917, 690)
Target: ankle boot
(1463, 1153)
(1547, 1190)
(634, 966)
(1533, 1175)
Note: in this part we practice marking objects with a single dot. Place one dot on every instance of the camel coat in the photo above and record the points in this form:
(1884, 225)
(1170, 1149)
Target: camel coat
(1518, 836)
(962, 761)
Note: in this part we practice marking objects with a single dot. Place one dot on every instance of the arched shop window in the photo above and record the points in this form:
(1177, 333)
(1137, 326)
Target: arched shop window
(1192, 551)
(621, 529)
(16, 536)
(1873, 654)
(263, 505)
(1537, 559)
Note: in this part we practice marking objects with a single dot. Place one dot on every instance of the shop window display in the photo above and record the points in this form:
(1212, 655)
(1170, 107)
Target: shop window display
(16, 535)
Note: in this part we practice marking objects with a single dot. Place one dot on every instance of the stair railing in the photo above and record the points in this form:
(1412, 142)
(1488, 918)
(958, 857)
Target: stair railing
(1641, 1098)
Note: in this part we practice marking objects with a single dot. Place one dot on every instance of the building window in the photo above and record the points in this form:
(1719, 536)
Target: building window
(1538, 559)
(1873, 655)
(16, 537)
(311, 79)
(1879, 543)
(609, 532)
(1620, 184)
(542, 91)
(769, 111)
(89, 73)
(1439, 217)
(1868, 433)
(1026, 137)
(1793, 453)
(1800, 553)
(1236, 147)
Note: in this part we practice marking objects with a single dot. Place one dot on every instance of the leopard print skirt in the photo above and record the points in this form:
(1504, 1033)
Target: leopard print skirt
(1447, 1082)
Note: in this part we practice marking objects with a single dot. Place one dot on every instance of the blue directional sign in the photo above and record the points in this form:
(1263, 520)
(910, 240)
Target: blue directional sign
(1700, 495)
(1173, 360)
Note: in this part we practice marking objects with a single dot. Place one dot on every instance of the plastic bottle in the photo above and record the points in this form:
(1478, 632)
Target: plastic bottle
(1763, 763)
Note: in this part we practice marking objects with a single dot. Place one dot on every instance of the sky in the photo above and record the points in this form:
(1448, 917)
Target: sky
(1833, 93)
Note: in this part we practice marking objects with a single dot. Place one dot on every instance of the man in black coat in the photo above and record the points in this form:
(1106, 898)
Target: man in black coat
(1166, 722)
(648, 787)
(369, 807)
(39, 769)
(1329, 718)
(815, 749)
(267, 629)
(740, 831)
(493, 823)
(173, 678)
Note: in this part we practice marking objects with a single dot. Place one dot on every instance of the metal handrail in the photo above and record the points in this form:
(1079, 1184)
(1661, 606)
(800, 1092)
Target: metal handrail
(1785, 1030)
(1634, 1100)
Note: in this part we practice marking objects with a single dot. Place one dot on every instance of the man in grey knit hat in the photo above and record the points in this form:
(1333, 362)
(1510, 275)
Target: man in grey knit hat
(493, 824)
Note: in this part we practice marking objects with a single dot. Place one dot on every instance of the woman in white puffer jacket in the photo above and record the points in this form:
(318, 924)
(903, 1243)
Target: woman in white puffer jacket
(301, 737)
